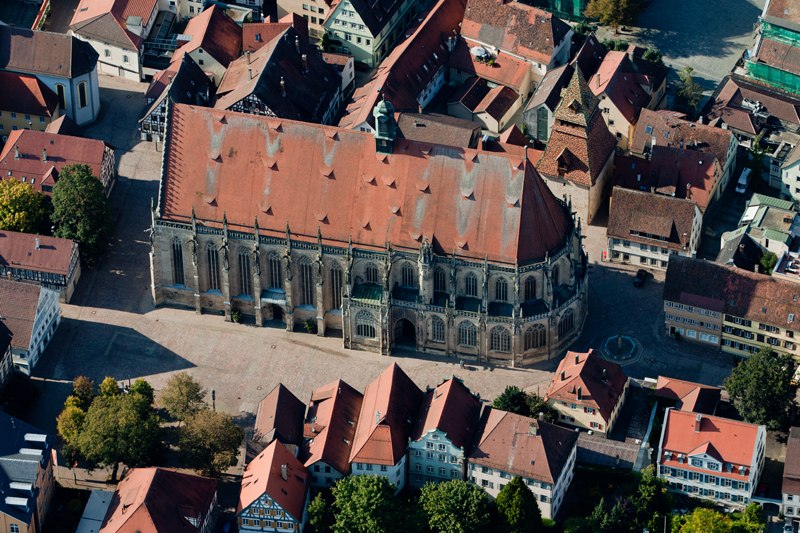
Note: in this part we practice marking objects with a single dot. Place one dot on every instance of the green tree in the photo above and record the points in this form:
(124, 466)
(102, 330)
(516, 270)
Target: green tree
(456, 506)
(761, 388)
(653, 55)
(751, 520)
(702, 520)
(109, 387)
(182, 396)
(768, 262)
(688, 89)
(364, 504)
(612, 13)
(210, 440)
(116, 430)
(83, 389)
(517, 506)
(81, 211)
(651, 501)
(320, 512)
(22, 208)
(513, 400)
(69, 424)
(537, 406)
(143, 389)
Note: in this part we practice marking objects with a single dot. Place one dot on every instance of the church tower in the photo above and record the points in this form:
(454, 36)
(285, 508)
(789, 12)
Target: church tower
(385, 126)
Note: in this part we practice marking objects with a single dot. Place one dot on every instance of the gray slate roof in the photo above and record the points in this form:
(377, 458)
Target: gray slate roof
(19, 467)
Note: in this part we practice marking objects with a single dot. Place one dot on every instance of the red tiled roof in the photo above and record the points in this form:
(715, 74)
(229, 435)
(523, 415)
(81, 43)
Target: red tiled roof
(513, 135)
(693, 397)
(514, 27)
(257, 34)
(497, 102)
(791, 466)
(729, 441)
(330, 425)
(669, 129)
(452, 409)
(580, 144)
(522, 446)
(410, 67)
(214, 32)
(273, 169)
(54, 255)
(18, 303)
(779, 55)
(617, 80)
(505, 70)
(387, 418)
(157, 499)
(107, 19)
(726, 104)
(599, 382)
(263, 475)
(45, 53)
(25, 94)
(62, 150)
(783, 11)
(745, 294)
(632, 213)
(279, 416)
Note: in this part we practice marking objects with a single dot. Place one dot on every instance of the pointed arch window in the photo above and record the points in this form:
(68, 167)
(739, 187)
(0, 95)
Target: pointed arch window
(530, 288)
(177, 262)
(336, 286)
(372, 273)
(212, 258)
(471, 285)
(501, 290)
(365, 324)
(306, 282)
(567, 323)
(500, 340)
(407, 274)
(535, 337)
(437, 329)
(245, 280)
(275, 274)
(439, 280)
(467, 334)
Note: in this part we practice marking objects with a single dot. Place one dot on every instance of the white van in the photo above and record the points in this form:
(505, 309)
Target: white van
(744, 181)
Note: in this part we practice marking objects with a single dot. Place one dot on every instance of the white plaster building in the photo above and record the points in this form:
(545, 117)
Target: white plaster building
(711, 457)
(442, 439)
(542, 454)
(32, 313)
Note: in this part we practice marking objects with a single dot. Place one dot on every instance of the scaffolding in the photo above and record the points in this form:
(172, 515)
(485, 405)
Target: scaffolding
(775, 77)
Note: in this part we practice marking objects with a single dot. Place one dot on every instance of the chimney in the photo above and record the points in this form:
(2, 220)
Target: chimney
(284, 473)
(698, 420)
(247, 55)
(377, 417)
(250, 74)
(38, 244)
(44, 154)
(169, 77)
(580, 393)
(577, 359)
(605, 376)
(16, 152)
(304, 59)
(283, 87)
(563, 375)
(540, 417)
(533, 430)
(297, 44)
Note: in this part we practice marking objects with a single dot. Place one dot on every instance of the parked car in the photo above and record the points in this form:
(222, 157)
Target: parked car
(641, 275)
(744, 181)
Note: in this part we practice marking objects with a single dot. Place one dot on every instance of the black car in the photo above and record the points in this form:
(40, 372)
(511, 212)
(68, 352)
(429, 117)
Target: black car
(641, 275)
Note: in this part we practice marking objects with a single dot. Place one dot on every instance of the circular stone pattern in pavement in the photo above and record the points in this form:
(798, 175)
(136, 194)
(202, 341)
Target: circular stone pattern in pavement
(622, 349)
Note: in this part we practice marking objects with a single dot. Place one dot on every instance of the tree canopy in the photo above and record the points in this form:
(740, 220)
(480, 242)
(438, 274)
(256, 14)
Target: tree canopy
(117, 429)
(81, 211)
(613, 13)
(761, 388)
(364, 504)
(518, 508)
(320, 512)
(109, 387)
(210, 440)
(456, 506)
(22, 208)
(182, 396)
(514, 400)
(688, 89)
(83, 389)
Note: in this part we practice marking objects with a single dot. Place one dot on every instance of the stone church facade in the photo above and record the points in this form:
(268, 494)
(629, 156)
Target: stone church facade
(376, 297)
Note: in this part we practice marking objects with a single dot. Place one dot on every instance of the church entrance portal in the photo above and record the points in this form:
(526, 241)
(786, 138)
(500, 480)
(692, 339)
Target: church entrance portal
(405, 333)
